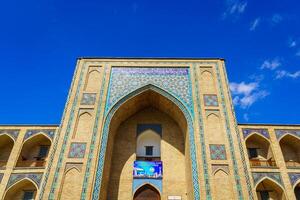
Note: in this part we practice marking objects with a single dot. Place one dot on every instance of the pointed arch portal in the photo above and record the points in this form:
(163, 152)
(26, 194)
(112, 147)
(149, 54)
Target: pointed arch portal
(146, 192)
(141, 99)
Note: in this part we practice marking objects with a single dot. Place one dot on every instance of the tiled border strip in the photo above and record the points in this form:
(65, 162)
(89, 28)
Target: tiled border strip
(104, 139)
(202, 138)
(242, 153)
(66, 136)
(229, 136)
(95, 131)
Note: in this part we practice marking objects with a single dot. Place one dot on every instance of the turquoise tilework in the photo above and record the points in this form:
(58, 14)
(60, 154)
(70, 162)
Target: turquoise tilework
(77, 150)
(217, 151)
(258, 176)
(88, 99)
(35, 177)
(210, 100)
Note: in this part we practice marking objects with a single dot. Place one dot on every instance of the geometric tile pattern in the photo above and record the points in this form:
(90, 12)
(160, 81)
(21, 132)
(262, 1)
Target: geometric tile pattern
(1, 176)
(77, 150)
(258, 176)
(35, 177)
(103, 145)
(263, 132)
(137, 183)
(13, 133)
(281, 133)
(210, 100)
(294, 177)
(217, 151)
(202, 136)
(126, 80)
(48, 132)
(88, 99)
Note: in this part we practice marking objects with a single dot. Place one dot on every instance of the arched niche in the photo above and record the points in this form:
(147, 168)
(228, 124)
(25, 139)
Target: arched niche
(24, 189)
(83, 127)
(207, 82)
(34, 151)
(147, 106)
(268, 189)
(147, 192)
(297, 191)
(222, 185)
(93, 81)
(6, 145)
(71, 185)
(259, 151)
(290, 147)
(148, 144)
(213, 129)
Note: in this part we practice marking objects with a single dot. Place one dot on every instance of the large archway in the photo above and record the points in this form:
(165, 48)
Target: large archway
(147, 107)
(6, 145)
(146, 192)
(289, 145)
(297, 191)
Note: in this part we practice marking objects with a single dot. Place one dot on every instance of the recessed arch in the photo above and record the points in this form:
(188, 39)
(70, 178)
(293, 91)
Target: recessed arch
(289, 134)
(147, 190)
(6, 146)
(289, 145)
(267, 187)
(35, 150)
(260, 151)
(296, 189)
(160, 97)
(220, 169)
(8, 135)
(17, 190)
(93, 80)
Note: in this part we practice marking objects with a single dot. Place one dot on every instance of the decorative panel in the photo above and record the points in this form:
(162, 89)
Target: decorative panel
(215, 168)
(35, 177)
(48, 132)
(210, 100)
(258, 176)
(217, 151)
(88, 99)
(137, 183)
(248, 131)
(77, 150)
(294, 178)
(281, 133)
(126, 80)
(13, 133)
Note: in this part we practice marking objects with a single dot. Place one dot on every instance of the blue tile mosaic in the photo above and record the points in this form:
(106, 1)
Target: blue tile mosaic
(125, 80)
(88, 99)
(249, 131)
(258, 176)
(35, 177)
(282, 132)
(294, 178)
(217, 151)
(210, 100)
(13, 133)
(77, 150)
(49, 132)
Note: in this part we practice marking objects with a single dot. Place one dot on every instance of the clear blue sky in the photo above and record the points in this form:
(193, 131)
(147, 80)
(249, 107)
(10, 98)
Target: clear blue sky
(40, 41)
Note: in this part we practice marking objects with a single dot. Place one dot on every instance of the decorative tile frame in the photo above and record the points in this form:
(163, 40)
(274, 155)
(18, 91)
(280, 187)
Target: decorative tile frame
(65, 138)
(294, 178)
(262, 132)
(30, 133)
(174, 80)
(1, 176)
(137, 183)
(217, 152)
(229, 136)
(14, 133)
(202, 137)
(99, 172)
(258, 176)
(35, 177)
(210, 100)
(282, 132)
(88, 99)
(77, 150)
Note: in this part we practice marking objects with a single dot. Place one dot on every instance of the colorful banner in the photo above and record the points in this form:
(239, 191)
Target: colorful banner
(147, 169)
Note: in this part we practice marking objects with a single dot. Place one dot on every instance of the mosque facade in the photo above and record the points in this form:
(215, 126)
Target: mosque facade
(150, 129)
